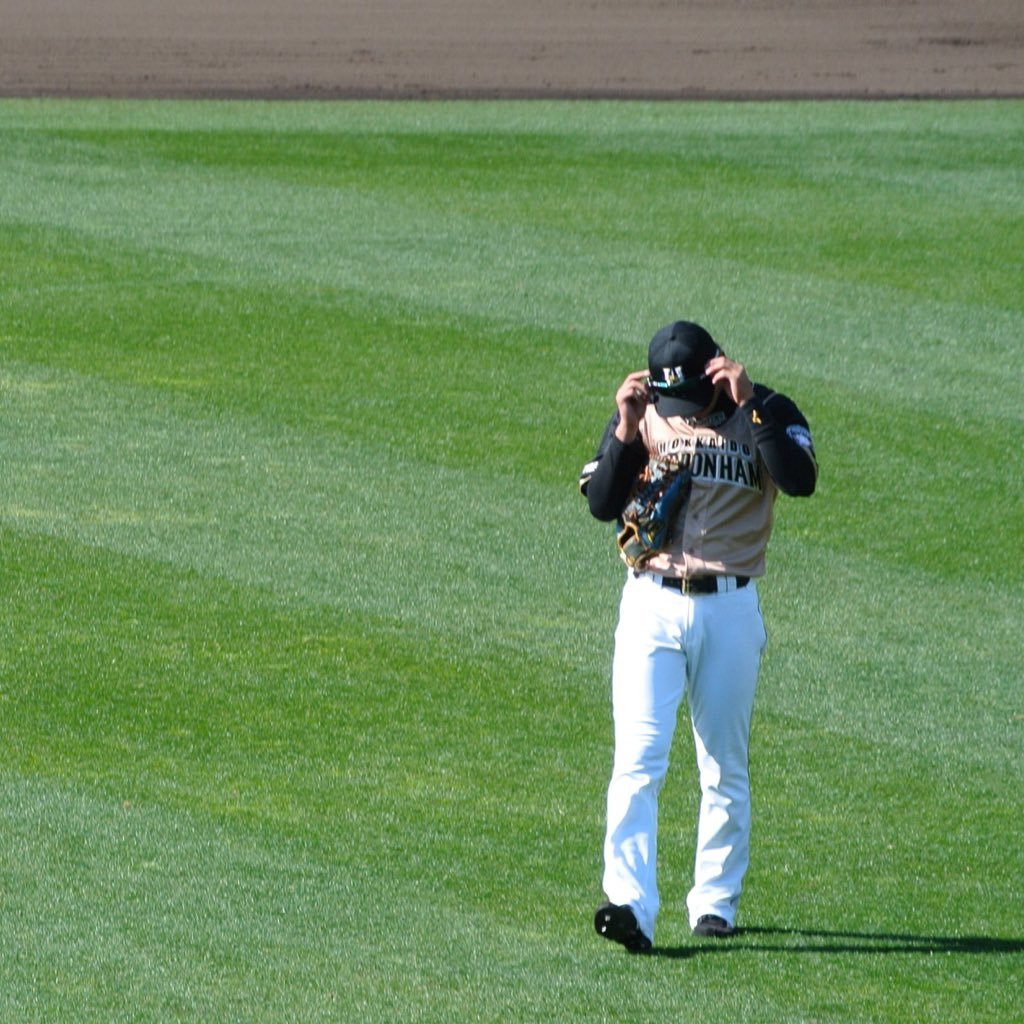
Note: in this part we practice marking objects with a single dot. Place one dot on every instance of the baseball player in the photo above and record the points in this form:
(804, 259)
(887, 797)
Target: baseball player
(695, 444)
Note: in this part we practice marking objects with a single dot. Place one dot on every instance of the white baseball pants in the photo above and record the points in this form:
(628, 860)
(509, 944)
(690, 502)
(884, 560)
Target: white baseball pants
(707, 648)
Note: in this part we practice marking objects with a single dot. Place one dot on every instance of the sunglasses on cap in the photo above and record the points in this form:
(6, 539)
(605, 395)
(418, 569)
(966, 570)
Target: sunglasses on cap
(675, 383)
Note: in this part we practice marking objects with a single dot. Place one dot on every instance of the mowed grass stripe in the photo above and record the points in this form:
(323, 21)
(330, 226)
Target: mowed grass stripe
(336, 524)
(808, 224)
(334, 521)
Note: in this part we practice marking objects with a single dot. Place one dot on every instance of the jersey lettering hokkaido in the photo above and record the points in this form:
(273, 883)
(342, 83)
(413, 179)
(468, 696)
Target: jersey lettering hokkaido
(725, 524)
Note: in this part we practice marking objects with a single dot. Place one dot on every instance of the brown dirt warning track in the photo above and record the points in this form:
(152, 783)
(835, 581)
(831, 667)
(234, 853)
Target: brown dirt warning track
(322, 49)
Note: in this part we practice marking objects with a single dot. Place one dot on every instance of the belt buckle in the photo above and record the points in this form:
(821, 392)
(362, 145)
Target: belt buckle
(690, 584)
(709, 584)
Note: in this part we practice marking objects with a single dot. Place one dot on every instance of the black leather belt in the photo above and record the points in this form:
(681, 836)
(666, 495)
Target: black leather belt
(704, 584)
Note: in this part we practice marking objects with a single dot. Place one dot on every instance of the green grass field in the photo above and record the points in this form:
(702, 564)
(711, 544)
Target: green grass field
(306, 631)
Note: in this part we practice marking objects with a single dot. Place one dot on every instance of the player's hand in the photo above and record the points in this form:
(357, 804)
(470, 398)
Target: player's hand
(732, 377)
(632, 399)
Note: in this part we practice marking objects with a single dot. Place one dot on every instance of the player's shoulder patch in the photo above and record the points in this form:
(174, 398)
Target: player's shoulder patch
(799, 433)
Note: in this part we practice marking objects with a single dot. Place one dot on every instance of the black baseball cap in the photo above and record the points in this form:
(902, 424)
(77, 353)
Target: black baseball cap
(676, 359)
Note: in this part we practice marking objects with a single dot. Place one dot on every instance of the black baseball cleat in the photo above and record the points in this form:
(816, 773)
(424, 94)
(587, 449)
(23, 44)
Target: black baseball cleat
(713, 926)
(619, 924)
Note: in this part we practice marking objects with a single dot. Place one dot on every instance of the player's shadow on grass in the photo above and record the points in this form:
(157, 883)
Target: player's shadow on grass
(807, 940)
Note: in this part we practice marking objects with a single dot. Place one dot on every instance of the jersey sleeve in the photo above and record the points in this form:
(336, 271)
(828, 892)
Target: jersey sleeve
(784, 441)
(606, 481)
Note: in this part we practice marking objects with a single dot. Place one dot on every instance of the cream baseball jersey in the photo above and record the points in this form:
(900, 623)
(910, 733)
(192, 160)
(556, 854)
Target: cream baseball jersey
(739, 460)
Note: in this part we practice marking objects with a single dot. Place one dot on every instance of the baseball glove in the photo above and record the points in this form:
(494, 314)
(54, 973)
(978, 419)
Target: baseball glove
(649, 515)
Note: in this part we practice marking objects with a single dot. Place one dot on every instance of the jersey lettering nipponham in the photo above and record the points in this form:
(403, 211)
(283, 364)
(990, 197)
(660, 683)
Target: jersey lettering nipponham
(725, 525)
(712, 457)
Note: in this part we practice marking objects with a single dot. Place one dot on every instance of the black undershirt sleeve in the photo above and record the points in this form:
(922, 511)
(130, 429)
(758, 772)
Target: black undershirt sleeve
(608, 480)
(784, 441)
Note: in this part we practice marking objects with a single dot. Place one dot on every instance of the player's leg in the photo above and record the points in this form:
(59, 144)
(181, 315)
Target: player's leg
(723, 681)
(648, 675)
